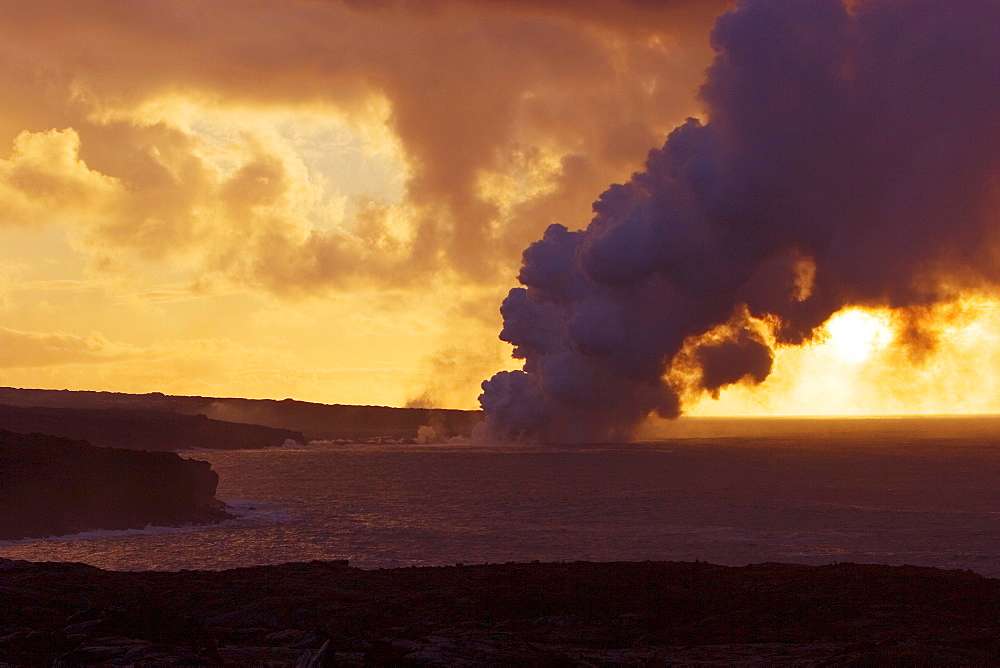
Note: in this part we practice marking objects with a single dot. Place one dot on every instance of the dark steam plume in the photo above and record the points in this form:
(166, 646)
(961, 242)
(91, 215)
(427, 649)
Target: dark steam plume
(851, 156)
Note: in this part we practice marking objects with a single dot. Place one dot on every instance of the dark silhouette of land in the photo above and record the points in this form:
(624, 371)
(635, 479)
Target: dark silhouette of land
(577, 614)
(141, 429)
(328, 614)
(54, 486)
(60, 483)
(314, 421)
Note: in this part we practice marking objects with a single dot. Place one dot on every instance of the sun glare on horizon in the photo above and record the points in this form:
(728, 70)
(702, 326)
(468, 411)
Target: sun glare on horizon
(861, 362)
(853, 335)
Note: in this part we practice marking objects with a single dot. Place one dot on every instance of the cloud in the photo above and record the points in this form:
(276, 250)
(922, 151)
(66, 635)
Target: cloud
(20, 349)
(450, 376)
(44, 180)
(847, 159)
(838, 375)
(180, 141)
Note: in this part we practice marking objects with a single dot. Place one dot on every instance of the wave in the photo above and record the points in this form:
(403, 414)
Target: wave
(95, 534)
(256, 511)
(243, 510)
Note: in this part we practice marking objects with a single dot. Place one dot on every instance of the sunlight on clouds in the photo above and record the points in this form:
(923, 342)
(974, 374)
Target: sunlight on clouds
(853, 335)
(361, 346)
(338, 194)
(305, 169)
(346, 155)
(19, 349)
(44, 180)
(332, 192)
(859, 364)
(249, 195)
(523, 174)
(285, 198)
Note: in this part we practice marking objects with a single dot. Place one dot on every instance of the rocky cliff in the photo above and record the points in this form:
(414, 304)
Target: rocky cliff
(54, 486)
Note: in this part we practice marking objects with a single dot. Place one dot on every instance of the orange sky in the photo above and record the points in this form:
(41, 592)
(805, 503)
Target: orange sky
(328, 200)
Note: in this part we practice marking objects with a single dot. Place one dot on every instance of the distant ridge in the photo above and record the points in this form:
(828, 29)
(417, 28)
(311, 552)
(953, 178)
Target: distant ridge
(315, 421)
(141, 429)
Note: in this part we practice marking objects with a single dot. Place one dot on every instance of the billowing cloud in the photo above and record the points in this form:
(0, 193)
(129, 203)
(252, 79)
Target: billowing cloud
(848, 159)
(173, 172)
(45, 180)
(298, 147)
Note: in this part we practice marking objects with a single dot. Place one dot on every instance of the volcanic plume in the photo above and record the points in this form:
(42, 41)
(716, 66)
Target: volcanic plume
(848, 155)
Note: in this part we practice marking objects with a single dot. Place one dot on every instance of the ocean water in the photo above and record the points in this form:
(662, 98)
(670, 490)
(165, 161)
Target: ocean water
(811, 495)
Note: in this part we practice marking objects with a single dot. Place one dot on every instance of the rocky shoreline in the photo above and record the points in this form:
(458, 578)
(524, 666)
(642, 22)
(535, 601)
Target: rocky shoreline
(53, 486)
(555, 614)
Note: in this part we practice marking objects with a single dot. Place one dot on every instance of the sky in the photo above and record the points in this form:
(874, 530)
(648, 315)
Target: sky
(328, 200)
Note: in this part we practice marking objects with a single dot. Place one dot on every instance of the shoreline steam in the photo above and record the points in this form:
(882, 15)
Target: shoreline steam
(850, 157)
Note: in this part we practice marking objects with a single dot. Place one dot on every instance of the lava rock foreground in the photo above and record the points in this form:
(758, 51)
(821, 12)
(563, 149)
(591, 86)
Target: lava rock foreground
(551, 614)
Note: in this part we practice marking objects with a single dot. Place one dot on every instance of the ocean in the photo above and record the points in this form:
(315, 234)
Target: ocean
(812, 492)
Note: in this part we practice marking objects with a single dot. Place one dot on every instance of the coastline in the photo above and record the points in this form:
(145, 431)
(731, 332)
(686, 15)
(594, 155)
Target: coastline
(619, 613)
(53, 486)
(245, 511)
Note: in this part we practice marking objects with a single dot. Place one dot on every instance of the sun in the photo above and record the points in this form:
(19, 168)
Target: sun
(854, 334)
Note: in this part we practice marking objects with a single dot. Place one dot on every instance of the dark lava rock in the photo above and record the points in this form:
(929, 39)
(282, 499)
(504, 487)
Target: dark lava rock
(633, 614)
(54, 486)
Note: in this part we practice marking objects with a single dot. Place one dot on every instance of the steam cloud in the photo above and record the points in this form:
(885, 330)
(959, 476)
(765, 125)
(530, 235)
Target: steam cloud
(851, 156)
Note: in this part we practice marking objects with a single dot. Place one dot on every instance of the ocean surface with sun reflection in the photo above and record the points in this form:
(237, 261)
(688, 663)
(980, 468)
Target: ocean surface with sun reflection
(919, 491)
